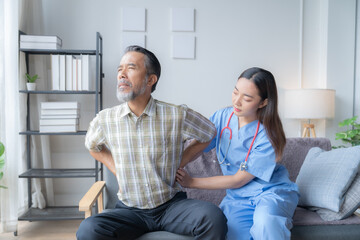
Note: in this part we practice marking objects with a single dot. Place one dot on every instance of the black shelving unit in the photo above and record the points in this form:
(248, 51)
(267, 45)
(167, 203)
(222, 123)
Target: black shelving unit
(52, 213)
(57, 92)
(66, 212)
(59, 173)
(49, 133)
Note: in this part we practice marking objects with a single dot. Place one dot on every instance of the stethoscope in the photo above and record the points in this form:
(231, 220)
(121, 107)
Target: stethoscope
(243, 165)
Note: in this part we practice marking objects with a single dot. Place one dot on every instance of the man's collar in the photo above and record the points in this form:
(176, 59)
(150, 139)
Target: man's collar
(125, 110)
(149, 110)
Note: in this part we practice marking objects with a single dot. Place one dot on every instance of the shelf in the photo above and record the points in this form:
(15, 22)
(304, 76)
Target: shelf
(52, 213)
(59, 173)
(59, 51)
(52, 133)
(96, 99)
(58, 92)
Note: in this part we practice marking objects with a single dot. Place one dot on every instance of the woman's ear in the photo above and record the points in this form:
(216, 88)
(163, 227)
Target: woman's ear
(263, 103)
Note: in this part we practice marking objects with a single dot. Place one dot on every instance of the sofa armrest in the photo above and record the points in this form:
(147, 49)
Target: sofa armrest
(89, 199)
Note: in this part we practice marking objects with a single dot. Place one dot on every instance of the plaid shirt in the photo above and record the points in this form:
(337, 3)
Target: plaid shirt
(147, 150)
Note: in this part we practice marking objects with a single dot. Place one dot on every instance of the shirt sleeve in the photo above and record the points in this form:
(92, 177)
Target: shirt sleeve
(215, 121)
(95, 138)
(197, 126)
(261, 162)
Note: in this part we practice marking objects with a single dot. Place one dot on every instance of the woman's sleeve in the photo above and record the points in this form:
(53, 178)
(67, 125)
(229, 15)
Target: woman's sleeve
(215, 120)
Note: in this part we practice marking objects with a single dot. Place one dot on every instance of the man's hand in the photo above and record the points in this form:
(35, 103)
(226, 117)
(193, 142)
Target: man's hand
(183, 178)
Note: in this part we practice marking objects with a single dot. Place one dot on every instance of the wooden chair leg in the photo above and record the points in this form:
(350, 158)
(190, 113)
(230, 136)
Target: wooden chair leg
(100, 203)
(88, 213)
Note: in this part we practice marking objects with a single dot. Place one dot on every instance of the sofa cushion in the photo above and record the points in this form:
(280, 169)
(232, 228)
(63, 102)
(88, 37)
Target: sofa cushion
(351, 203)
(295, 152)
(205, 165)
(326, 175)
(306, 217)
(309, 226)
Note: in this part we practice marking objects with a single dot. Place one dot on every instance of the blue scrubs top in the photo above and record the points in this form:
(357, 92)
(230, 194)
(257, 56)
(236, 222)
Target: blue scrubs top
(261, 162)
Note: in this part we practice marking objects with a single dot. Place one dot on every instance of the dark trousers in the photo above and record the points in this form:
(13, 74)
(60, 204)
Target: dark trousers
(180, 215)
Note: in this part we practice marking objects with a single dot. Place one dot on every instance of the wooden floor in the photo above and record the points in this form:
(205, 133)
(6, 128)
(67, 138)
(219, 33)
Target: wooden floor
(44, 230)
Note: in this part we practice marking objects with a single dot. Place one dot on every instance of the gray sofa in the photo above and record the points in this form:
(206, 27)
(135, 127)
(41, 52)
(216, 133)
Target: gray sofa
(307, 224)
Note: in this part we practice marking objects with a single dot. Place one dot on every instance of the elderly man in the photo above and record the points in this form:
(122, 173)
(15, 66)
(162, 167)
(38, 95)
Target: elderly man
(141, 142)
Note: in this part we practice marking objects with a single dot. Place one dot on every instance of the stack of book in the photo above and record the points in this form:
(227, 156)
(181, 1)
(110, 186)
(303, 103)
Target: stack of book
(70, 73)
(40, 42)
(59, 117)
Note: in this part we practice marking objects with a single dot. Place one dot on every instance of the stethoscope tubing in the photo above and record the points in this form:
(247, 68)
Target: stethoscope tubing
(227, 149)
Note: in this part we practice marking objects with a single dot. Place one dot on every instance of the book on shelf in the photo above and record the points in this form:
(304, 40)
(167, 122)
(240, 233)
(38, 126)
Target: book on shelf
(58, 128)
(59, 121)
(41, 39)
(55, 72)
(60, 105)
(70, 73)
(62, 73)
(59, 116)
(39, 45)
(69, 70)
(79, 73)
(85, 80)
(59, 112)
(74, 74)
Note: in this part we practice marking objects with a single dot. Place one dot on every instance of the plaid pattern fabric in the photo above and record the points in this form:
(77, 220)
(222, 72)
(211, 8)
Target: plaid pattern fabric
(147, 150)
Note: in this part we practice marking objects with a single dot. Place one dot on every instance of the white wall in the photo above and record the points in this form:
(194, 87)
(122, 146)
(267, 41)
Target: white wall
(340, 60)
(357, 64)
(328, 57)
(231, 35)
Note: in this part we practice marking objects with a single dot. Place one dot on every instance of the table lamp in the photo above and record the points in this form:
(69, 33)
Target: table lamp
(309, 104)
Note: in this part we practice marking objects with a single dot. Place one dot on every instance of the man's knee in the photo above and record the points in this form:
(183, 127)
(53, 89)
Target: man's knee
(216, 216)
(86, 229)
(115, 224)
(213, 219)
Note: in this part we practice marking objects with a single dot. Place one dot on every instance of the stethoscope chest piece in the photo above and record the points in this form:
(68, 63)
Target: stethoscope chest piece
(243, 166)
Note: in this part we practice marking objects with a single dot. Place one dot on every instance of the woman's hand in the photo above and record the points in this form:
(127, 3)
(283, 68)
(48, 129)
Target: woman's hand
(237, 180)
(183, 178)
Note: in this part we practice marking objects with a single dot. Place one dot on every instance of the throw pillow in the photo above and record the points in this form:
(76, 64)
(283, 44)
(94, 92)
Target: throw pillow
(351, 203)
(325, 176)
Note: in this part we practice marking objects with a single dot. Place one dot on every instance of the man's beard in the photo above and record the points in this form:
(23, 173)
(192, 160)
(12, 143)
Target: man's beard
(126, 97)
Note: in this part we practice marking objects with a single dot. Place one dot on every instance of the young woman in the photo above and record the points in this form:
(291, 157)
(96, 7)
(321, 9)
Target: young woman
(250, 140)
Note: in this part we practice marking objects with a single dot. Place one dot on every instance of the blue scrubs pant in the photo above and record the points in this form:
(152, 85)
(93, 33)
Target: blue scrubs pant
(180, 215)
(266, 216)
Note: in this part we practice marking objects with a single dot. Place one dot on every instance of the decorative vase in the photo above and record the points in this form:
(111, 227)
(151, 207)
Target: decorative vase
(31, 86)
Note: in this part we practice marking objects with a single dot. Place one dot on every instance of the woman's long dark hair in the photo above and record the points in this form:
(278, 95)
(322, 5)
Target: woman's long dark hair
(268, 115)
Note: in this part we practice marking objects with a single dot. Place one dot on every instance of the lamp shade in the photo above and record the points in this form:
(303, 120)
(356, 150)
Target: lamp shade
(309, 103)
